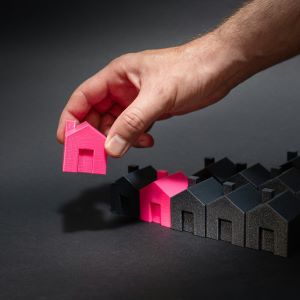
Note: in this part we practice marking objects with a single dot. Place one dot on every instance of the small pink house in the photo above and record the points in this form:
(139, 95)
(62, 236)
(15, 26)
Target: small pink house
(155, 197)
(84, 149)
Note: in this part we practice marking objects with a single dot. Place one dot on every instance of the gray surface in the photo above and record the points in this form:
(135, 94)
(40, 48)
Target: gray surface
(58, 239)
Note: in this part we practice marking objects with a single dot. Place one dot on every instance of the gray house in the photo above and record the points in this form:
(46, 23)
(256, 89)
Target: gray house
(275, 225)
(188, 208)
(225, 218)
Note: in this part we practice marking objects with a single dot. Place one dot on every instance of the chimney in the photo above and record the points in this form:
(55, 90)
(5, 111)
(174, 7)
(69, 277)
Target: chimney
(208, 161)
(240, 166)
(291, 154)
(275, 172)
(161, 173)
(228, 187)
(193, 180)
(70, 124)
(267, 194)
(132, 168)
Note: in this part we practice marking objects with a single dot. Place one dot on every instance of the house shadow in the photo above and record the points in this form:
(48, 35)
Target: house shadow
(91, 211)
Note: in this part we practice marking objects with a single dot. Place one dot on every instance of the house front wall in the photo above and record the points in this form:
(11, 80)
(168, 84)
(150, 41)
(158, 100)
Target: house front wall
(223, 210)
(263, 217)
(186, 202)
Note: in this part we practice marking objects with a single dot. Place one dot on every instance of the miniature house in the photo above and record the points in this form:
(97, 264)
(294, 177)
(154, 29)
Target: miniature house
(188, 208)
(155, 198)
(274, 225)
(225, 218)
(293, 160)
(125, 198)
(220, 170)
(255, 175)
(84, 149)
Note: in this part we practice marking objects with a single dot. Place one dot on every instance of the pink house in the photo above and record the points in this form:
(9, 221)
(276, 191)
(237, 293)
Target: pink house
(155, 197)
(84, 149)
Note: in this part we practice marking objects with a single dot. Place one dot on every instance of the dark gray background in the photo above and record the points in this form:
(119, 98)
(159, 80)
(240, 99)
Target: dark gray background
(58, 239)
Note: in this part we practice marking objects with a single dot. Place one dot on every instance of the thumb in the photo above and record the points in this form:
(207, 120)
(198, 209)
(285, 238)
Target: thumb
(131, 123)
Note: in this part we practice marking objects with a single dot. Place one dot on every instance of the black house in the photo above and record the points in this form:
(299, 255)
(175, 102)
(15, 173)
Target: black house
(225, 218)
(188, 208)
(274, 225)
(125, 190)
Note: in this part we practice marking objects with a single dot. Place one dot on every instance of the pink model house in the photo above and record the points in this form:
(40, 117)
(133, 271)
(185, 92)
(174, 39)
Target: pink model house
(155, 197)
(84, 149)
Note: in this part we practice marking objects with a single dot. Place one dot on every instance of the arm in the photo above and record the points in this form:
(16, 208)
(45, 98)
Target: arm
(135, 90)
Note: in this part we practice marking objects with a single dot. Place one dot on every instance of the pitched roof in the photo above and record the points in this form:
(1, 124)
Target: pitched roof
(286, 205)
(172, 184)
(295, 162)
(207, 190)
(84, 125)
(141, 177)
(246, 197)
(291, 178)
(256, 174)
(221, 170)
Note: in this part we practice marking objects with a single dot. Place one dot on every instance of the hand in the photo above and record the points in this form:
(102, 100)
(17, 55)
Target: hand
(133, 91)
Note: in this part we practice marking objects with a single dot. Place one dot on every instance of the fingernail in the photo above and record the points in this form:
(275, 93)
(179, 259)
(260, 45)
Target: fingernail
(117, 146)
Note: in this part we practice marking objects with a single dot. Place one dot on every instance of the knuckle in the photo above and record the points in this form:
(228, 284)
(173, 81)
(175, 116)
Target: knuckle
(134, 120)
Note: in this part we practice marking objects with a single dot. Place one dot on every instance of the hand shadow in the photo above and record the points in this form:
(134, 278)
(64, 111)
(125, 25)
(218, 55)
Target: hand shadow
(91, 211)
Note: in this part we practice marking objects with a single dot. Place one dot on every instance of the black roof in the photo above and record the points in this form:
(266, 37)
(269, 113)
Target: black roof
(291, 178)
(246, 197)
(207, 190)
(221, 170)
(295, 162)
(141, 177)
(286, 205)
(256, 174)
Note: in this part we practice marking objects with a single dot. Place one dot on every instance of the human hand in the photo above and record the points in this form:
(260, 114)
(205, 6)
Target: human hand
(135, 90)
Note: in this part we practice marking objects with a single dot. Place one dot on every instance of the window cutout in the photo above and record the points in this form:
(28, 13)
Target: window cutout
(85, 160)
(266, 239)
(155, 212)
(225, 230)
(124, 203)
(187, 221)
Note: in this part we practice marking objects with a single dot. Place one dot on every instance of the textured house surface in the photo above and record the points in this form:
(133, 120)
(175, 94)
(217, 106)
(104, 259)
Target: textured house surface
(220, 170)
(274, 225)
(188, 208)
(255, 175)
(125, 190)
(225, 219)
(155, 197)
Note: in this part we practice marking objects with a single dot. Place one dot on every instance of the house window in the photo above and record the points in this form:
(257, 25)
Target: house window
(266, 239)
(155, 212)
(187, 221)
(85, 160)
(225, 230)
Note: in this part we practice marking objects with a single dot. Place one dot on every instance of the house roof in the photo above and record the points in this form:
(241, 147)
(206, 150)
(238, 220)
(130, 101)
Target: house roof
(172, 184)
(291, 178)
(256, 174)
(221, 170)
(286, 205)
(84, 125)
(295, 162)
(246, 197)
(207, 190)
(141, 177)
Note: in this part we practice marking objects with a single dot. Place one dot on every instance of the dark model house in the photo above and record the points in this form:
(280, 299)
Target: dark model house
(287, 181)
(188, 208)
(274, 225)
(220, 170)
(255, 175)
(125, 191)
(225, 218)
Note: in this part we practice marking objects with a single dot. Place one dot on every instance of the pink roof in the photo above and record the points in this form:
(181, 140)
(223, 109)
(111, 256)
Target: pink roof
(82, 126)
(172, 184)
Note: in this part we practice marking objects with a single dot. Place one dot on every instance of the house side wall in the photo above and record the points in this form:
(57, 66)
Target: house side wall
(264, 217)
(223, 209)
(185, 201)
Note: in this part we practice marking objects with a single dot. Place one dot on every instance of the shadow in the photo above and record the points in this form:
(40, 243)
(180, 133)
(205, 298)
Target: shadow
(91, 211)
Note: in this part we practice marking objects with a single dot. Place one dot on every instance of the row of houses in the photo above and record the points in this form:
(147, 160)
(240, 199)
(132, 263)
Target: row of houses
(247, 206)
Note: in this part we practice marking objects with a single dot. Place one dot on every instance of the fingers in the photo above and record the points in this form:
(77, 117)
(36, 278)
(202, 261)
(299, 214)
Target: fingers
(88, 94)
(131, 124)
